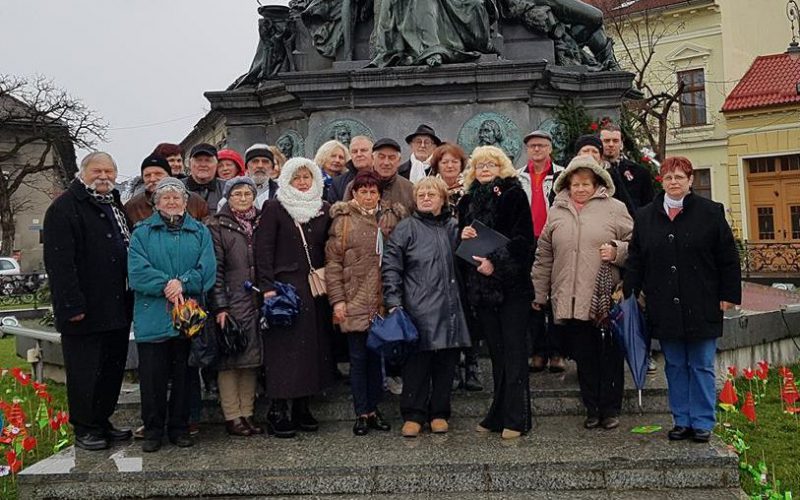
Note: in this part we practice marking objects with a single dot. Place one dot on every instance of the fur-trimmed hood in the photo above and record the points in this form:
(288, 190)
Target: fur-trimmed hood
(585, 162)
(302, 206)
(349, 208)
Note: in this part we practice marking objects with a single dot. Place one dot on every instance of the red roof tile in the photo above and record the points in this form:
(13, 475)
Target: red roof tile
(612, 8)
(771, 81)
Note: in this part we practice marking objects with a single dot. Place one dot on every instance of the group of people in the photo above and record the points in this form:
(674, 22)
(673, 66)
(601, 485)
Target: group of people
(382, 235)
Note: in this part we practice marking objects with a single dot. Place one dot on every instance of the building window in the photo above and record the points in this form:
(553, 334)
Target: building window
(774, 164)
(761, 165)
(702, 182)
(693, 99)
(766, 223)
(794, 213)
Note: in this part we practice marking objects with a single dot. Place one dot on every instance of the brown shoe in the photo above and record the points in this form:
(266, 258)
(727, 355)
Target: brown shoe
(557, 364)
(537, 364)
(439, 426)
(254, 429)
(237, 427)
(510, 434)
(411, 429)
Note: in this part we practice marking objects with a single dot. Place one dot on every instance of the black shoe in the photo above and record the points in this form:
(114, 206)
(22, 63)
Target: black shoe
(679, 433)
(376, 421)
(701, 436)
(609, 423)
(278, 422)
(302, 417)
(151, 445)
(117, 435)
(471, 382)
(91, 442)
(182, 441)
(591, 422)
(361, 428)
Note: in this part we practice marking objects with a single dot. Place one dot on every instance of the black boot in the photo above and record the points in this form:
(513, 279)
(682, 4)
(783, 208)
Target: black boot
(302, 417)
(471, 381)
(278, 422)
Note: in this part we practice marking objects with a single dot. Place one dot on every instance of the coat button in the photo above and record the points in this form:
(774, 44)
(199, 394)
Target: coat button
(676, 301)
(673, 269)
(102, 216)
(108, 235)
(670, 237)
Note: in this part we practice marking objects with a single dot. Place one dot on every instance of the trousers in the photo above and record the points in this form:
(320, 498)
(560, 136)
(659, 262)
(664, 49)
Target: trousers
(689, 366)
(427, 385)
(160, 362)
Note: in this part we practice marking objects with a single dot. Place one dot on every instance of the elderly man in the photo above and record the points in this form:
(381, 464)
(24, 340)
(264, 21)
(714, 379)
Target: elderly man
(360, 159)
(260, 164)
(86, 236)
(202, 178)
(423, 141)
(636, 178)
(155, 168)
(396, 189)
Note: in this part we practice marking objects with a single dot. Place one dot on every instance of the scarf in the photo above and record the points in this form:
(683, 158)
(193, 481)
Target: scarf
(302, 206)
(119, 216)
(419, 169)
(246, 220)
(673, 207)
(363, 210)
(173, 222)
(601, 296)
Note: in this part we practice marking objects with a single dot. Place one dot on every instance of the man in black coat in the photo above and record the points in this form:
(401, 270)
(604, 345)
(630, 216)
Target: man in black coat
(360, 159)
(422, 141)
(86, 236)
(202, 177)
(637, 180)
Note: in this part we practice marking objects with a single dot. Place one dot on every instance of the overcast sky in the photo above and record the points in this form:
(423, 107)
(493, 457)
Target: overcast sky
(143, 65)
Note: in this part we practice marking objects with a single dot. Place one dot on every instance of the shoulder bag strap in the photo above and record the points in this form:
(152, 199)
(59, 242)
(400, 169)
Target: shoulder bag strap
(305, 246)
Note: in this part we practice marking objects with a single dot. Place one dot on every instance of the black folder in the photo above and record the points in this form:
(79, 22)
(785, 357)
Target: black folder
(487, 241)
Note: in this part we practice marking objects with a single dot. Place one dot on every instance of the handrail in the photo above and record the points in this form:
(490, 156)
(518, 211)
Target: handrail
(10, 326)
(21, 331)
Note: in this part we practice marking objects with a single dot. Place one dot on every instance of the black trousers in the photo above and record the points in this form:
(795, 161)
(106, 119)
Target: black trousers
(600, 368)
(160, 362)
(427, 384)
(545, 335)
(95, 365)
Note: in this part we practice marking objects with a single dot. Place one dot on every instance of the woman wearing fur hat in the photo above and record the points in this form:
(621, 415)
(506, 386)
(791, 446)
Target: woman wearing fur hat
(232, 229)
(497, 286)
(578, 260)
(353, 257)
(297, 358)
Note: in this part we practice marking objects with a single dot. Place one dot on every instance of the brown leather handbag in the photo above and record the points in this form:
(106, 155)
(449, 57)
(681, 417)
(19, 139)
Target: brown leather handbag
(316, 277)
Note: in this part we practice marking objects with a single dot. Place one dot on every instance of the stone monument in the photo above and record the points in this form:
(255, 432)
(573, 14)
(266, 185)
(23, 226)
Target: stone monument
(478, 71)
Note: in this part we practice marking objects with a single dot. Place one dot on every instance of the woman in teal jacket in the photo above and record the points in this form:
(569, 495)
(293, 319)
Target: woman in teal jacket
(171, 259)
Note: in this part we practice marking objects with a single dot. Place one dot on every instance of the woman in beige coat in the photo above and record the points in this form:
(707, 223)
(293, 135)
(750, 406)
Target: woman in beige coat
(578, 260)
(353, 256)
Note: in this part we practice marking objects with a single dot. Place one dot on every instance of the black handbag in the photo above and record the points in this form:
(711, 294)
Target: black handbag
(232, 340)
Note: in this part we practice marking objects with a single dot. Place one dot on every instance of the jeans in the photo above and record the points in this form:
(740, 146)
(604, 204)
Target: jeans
(366, 382)
(689, 366)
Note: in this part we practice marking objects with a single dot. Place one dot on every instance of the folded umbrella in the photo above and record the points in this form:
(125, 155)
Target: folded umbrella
(188, 318)
(628, 326)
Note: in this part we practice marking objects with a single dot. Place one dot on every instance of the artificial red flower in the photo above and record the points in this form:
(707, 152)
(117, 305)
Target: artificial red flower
(594, 126)
(749, 407)
(659, 178)
(762, 374)
(791, 410)
(11, 457)
(29, 443)
(645, 159)
(748, 373)
(732, 371)
(63, 417)
(54, 424)
(39, 387)
(763, 365)
(789, 392)
(728, 397)
(785, 372)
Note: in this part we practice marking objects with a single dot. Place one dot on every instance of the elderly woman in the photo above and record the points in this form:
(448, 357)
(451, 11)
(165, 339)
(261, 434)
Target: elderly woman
(230, 164)
(683, 257)
(232, 231)
(419, 275)
(332, 158)
(585, 239)
(497, 286)
(353, 274)
(171, 259)
(289, 241)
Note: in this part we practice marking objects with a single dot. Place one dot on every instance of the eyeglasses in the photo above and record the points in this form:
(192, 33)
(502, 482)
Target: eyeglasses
(422, 142)
(427, 194)
(677, 178)
(486, 166)
(242, 194)
(538, 146)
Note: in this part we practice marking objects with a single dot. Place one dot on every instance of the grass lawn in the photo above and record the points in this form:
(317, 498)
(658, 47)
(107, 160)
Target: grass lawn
(774, 438)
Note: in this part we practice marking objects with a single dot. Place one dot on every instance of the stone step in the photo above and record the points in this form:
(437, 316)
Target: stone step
(557, 456)
(552, 394)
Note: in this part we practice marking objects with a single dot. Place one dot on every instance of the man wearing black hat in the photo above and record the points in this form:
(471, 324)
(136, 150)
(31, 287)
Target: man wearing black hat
(202, 178)
(423, 141)
(396, 189)
(260, 164)
(155, 168)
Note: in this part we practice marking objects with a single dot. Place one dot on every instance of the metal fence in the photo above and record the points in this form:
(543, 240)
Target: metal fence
(770, 258)
(24, 289)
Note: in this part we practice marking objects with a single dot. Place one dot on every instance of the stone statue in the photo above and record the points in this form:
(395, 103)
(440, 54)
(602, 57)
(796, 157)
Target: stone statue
(275, 46)
(490, 134)
(330, 23)
(286, 145)
(342, 133)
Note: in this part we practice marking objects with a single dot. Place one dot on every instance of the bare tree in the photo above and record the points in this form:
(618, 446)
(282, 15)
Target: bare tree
(40, 127)
(638, 32)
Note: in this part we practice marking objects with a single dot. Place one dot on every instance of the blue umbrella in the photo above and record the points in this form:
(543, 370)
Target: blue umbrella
(628, 327)
(280, 310)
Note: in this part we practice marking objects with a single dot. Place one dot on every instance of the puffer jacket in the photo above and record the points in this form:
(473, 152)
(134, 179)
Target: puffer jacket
(568, 251)
(353, 260)
(419, 274)
(157, 255)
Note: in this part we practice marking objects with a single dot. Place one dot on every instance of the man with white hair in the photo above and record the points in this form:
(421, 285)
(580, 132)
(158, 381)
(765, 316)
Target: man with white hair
(86, 236)
(260, 164)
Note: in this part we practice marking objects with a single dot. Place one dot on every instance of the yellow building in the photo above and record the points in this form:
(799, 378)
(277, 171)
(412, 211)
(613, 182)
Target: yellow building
(708, 44)
(763, 159)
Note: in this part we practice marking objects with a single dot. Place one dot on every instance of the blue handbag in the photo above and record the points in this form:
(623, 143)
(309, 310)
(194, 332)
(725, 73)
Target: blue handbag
(394, 336)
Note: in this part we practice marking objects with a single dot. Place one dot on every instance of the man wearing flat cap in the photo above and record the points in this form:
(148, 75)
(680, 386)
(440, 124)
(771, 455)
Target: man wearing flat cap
(260, 164)
(202, 179)
(155, 168)
(422, 141)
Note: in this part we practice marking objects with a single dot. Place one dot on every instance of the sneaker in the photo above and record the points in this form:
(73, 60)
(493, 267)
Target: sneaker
(394, 385)
(651, 366)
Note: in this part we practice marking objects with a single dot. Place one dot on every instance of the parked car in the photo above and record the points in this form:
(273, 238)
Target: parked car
(8, 266)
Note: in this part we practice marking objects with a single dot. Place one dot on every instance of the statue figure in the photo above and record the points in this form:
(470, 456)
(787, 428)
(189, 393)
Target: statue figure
(275, 46)
(432, 32)
(490, 134)
(342, 133)
(286, 145)
(330, 23)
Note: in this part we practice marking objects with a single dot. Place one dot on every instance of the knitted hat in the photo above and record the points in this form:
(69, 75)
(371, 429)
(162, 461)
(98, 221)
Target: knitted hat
(229, 154)
(589, 140)
(156, 161)
(258, 151)
(238, 181)
(169, 184)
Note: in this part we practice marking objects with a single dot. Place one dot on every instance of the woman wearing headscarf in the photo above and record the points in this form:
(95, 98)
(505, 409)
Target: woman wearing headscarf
(684, 258)
(232, 229)
(419, 275)
(497, 285)
(289, 241)
(171, 259)
(353, 273)
(578, 260)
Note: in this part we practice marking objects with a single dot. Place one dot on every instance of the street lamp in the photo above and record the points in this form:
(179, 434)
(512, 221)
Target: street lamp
(793, 13)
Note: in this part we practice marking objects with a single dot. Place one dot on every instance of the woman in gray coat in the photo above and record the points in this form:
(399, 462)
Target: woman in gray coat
(419, 275)
(232, 230)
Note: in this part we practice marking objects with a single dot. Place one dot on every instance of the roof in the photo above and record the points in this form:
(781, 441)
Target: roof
(771, 81)
(613, 8)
